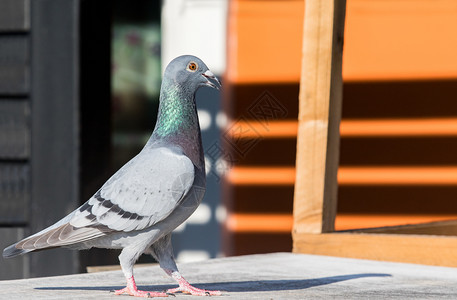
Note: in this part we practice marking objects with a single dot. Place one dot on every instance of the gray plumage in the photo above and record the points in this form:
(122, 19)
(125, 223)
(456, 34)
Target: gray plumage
(141, 204)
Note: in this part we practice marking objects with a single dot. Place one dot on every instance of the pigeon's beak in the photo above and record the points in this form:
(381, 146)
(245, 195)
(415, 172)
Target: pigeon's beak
(209, 80)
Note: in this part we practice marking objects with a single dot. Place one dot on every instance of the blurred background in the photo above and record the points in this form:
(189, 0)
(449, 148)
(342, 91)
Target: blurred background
(79, 86)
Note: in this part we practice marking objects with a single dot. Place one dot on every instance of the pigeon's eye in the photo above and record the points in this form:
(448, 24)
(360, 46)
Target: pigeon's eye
(192, 66)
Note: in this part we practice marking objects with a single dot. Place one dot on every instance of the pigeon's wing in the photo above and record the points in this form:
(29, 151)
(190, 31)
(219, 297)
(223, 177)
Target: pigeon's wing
(143, 192)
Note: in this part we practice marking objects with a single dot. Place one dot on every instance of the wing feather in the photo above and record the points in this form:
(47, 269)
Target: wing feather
(142, 193)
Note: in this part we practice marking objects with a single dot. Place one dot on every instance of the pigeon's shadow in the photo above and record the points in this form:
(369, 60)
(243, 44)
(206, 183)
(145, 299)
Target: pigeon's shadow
(242, 286)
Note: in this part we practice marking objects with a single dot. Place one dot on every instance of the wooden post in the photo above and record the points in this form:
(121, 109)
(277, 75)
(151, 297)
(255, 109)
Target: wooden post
(319, 118)
(317, 162)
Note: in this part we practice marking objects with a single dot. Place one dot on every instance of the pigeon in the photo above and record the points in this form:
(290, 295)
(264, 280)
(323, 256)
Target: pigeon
(137, 209)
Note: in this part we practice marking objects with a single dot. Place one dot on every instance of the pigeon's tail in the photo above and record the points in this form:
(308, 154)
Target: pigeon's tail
(61, 234)
(12, 251)
(52, 237)
(38, 241)
(31, 243)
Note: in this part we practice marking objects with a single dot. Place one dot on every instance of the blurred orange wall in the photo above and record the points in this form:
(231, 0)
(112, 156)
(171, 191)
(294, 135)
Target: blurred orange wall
(384, 40)
(400, 39)
(264, 41)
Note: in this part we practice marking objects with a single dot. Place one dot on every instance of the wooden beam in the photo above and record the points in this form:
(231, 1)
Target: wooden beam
(319, 117)
(96, 269)
(448, 227)
(420, 249)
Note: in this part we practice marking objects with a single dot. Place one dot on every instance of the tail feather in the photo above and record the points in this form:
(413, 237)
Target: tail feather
(36, 242)
(63, 236)
(12, 251)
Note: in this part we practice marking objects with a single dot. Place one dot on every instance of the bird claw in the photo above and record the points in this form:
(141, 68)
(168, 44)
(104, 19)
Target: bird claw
(191, 290)
(138, 293)
(132, 290)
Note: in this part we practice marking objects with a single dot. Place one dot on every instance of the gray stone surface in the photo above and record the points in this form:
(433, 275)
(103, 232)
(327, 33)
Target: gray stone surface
(269, 276)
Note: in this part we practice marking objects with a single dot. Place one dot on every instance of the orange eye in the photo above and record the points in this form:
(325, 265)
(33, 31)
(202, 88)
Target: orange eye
(192, 66)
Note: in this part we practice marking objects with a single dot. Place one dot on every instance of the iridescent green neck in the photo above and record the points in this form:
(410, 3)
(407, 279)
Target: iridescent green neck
(177, 122)
(177, 112)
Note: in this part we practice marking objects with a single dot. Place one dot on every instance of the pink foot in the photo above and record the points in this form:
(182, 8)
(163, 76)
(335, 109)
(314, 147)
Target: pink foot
(132, 290)
(194, 291)
(186, 288)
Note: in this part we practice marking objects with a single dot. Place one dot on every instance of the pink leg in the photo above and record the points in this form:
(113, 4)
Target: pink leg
(132, 290)
(186, 288)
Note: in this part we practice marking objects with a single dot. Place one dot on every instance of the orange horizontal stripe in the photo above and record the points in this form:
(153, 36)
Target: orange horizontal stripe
(283, 223)
(261, 176)
(397, 175)
(255, 129)
(399, 127)
(349, 175)
(349, 128)
(264, 223)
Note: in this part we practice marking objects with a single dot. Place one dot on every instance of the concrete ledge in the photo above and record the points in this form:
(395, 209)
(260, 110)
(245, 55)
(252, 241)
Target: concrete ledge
(269, 276)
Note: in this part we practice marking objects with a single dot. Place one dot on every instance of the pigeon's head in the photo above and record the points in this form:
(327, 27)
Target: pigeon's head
(191, 72)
